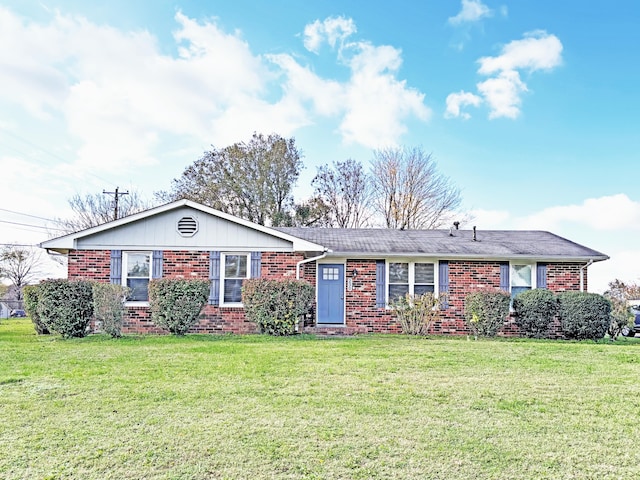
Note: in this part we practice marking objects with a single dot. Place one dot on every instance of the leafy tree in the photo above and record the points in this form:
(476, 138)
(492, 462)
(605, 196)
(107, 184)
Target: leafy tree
(95, 209)
(20, 265)
(409, 192)
(619, 294)
(251, 180)
(345, 190)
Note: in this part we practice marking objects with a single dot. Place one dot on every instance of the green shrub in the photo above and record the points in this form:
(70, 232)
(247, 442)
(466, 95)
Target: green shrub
(108, 307)
(416, 313)
(65, 306)
(31, 293)
(276, 305)
(486, 310)
(176, 303)
(584, 315)
(534, 312)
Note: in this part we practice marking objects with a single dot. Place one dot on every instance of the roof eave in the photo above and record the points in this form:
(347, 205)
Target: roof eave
(456, 256)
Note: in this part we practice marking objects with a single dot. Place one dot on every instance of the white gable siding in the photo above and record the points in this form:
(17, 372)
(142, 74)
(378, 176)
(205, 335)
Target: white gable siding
(160, 232)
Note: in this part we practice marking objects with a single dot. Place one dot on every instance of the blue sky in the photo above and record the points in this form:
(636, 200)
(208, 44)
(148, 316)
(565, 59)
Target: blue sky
(530, 107)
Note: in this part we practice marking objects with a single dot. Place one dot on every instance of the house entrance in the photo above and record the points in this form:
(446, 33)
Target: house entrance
(330, 293)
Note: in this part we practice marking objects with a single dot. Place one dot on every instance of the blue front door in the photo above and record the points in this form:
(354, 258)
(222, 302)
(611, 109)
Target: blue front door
(330, 293)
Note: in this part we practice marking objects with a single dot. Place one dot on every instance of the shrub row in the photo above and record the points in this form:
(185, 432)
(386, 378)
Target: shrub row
(66, 307)
(582, 315)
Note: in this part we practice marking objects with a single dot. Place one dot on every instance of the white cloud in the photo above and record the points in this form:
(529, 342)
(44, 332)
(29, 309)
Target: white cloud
(373, 104)
(490, 219)
(472, 11)
(537, 51)
(455, 102)
(332, 30)
(119, 94)
(612, 213)
(503, 94)
(503, 91)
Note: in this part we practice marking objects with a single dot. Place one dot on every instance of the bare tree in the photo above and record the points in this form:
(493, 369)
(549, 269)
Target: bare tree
(95, 209)
(345, 190)
(251, 180)
(20, 265)
(409, 191)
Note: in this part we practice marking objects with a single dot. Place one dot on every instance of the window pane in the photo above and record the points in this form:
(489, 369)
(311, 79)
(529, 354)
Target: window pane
(397, 291)
(233, 291)
(235, 266)
(398, 273)
(138, 265)
(329, 273)
(424, 273)
(516, 290)
(139, 289)
(420, 289)
(521, 276)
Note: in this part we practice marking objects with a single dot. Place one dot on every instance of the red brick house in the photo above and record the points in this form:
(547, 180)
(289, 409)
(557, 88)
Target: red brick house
(355, 271)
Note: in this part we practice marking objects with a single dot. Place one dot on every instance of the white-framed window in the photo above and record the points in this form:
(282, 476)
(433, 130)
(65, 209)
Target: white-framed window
(136, 273)
(410, 277)
(521, 278)
(235, 268)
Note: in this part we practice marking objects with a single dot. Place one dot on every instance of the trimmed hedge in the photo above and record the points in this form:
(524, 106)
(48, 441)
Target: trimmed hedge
(176, 303)
(65, 306)
(534, 312)
(584, 315)
(486, 310)
(276, 305)
(31, 294)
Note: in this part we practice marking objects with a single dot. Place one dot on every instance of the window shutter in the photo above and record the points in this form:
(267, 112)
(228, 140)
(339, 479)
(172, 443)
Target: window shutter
(115, 267)
(156, 267)
(443, 282)
(256, 264)
(541, 275)
(380, 283)
(214, 276)
(504, 276)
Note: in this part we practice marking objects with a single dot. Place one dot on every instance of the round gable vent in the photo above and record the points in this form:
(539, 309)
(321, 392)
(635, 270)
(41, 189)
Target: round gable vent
(187, 226)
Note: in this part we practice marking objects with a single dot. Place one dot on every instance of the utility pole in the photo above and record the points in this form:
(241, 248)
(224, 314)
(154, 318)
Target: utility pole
(116, 195)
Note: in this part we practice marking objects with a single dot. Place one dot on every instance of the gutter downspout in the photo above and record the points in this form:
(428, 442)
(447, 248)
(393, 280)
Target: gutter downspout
(582, 268)
(307, 260)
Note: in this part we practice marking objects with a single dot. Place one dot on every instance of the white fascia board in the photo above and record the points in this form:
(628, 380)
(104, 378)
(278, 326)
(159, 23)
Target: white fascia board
(477, 257)
(69, 242)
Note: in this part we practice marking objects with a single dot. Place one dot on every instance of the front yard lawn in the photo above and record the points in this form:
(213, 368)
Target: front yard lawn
(200, 407)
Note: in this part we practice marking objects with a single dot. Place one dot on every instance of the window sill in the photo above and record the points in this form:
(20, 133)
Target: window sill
(136, 304)
(231, 305)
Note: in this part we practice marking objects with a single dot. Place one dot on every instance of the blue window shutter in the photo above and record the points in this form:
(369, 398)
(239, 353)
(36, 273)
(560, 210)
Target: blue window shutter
(381, 274)
(115, 267)
(504, 276)
(443, 282)
(256, 264)
(541, 275)
(214, 276)
(156, 267)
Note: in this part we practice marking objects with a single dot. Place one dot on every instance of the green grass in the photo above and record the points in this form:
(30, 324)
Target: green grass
(366, 407)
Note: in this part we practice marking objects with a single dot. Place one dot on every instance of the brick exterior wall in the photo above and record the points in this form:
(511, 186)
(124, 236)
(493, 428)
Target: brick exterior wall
(95, 265)
(362, 315)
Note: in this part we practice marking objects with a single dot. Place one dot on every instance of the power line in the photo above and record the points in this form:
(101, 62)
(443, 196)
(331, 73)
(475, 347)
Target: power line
(32, 226)
(28, 215)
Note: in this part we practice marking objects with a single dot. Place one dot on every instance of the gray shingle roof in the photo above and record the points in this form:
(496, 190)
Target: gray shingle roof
(489, 244)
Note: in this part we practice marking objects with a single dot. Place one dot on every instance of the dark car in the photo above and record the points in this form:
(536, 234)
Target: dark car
(18, 313)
